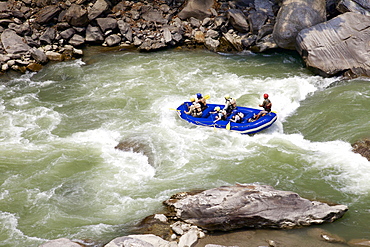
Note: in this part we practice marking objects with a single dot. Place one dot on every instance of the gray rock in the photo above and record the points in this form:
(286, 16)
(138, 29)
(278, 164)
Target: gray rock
(248, 41)
(219, 21)
(94, 34)
(67, 34)
(212, 34)
(167, 35)
(13, 43)
(47, 14)
(77, 40)
(97, 9)
(238, 20)
(265, 30)
(48, 36)
(337, 46)
(194, 22)
(294, 16)
(234, 40)
(199, 9)
(106, 24)
(22, 30)
(113, 40)
(356, 6)
(76, 16)
(4, 6)
(177, 37)
(54, 56)
(137, 41)
(255, 206)
(266, 43)
(155, 16)
(147, 240)
(150, 45)
(256, 20)
(188, 239)
(39, 56)
(61, 242)
(4, 58)
(265, 6)
(362, 147)
(212, 44)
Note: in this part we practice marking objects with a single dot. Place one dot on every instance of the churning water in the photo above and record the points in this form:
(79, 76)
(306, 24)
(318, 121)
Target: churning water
(61, 175)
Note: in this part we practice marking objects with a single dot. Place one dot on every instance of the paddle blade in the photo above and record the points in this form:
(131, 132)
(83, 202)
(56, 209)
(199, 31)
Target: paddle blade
(172, 109)
(207, 96)
(228, 126)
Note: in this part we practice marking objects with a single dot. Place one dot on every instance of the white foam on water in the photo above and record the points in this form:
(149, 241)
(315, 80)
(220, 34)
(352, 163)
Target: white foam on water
(9, 228)
(119, 185)
(118, 171)
(335, 161)
(27, 125)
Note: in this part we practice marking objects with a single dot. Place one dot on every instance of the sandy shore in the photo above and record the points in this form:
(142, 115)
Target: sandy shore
(278, 238)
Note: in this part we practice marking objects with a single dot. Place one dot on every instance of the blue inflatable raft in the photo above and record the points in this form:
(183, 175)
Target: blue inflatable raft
(244, 127)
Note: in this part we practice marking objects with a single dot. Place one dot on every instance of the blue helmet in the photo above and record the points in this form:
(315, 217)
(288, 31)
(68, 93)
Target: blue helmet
(234, 112)
(199, 95)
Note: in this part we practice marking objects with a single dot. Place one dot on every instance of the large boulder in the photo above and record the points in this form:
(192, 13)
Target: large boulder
(99, 7)
(147, 240)
(199, 9)
(106, 24)
(295, 15)
(46, 14)
(337, 46)
(13, 43)
(94, 34)
(76, 15)
(253, 206)
(238, 20)
(357, 6)
(60, 242)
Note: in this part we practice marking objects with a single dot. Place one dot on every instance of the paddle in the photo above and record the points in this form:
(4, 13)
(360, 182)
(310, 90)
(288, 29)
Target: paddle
(228, 125)
(174, 109)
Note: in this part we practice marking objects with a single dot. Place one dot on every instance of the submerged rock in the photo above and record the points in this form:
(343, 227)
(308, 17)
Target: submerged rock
(253, 206)
(362, 147)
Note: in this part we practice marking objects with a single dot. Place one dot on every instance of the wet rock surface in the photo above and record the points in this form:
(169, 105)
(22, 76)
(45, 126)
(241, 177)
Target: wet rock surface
(362, 147)
(251, 206)
(324, 46)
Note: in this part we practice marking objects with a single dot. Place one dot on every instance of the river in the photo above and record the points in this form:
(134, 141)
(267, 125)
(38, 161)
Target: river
(61, 175)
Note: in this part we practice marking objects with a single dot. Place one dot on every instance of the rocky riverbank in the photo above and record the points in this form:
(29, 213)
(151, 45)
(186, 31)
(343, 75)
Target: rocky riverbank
(34, 32)
(191, 216)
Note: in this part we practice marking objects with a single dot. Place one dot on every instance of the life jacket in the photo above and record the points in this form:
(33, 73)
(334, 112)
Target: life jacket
(202, 103)
(221, 115)
(197, 111)
(265, 106)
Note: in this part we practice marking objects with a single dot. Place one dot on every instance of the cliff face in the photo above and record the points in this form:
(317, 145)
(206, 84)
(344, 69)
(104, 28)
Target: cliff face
(34, 32)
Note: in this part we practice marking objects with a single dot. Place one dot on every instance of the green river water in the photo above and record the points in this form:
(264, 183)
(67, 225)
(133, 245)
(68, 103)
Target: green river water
(62, 177)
